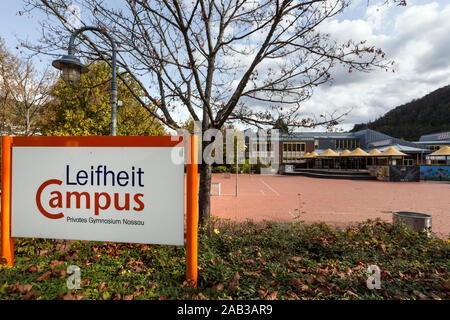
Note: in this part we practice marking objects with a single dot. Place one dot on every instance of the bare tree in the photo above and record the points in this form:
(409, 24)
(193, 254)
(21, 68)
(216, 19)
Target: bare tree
(254, 61)
(24, 92)
(30, 92)
(8, 69)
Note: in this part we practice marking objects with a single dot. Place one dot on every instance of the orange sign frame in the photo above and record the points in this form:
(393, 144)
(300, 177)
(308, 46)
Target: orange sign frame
(7, 243)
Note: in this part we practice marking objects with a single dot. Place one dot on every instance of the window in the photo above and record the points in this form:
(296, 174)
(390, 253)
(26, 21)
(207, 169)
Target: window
(346, 143)
(296, 148)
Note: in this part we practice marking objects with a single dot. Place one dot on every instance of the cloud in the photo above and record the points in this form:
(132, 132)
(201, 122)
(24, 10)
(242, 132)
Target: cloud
(415, 37)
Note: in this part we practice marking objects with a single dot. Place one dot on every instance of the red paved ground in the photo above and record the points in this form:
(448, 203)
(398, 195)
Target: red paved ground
(338, 202)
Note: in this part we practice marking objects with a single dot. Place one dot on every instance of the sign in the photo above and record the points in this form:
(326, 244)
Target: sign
(125, 194)
(404, 173)
(444, 136)
(119, 189)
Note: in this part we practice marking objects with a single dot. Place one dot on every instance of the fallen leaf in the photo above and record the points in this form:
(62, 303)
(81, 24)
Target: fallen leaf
(297, 283)
(263, 293)
(85, 282)
(115, 296)
(351, 293)
(272, 296)
(46, 275)
(139, 291)
(235, 282)
(305, 288)
(253, 274)
(63, 274)
(24, 288)
(320, 279)
(70, 296)
(324, 290)
(30, 295)
(420, 295)
(435, 297)
(101, 286)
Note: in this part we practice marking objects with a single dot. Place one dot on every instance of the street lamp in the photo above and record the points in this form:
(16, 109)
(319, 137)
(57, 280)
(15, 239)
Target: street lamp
(72, 68)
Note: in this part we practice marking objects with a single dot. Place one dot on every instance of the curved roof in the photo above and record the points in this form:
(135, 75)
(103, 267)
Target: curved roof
(392, 152)
(344, 153)
(374, 152)
(313, 154)
(443, 151)
(329, 153)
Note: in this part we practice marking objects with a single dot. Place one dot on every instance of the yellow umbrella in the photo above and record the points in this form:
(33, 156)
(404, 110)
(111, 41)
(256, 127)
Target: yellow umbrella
(374, 152)
(391, 152)
(443, 151)
(344, 153)
(329, 153)
(358, 152)
(306, 155)
(313, 154)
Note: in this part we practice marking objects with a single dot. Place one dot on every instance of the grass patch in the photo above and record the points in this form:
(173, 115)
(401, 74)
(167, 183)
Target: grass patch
(240, 261)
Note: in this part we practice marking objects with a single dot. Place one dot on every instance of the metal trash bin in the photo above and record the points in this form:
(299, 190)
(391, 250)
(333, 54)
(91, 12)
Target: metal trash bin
(414, 220)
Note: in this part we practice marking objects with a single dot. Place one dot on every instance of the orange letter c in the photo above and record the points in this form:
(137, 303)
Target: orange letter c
(38, 199)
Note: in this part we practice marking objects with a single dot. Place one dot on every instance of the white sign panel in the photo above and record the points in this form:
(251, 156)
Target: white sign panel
(120, 194)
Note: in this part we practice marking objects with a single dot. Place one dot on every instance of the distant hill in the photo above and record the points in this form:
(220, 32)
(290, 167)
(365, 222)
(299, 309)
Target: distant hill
(429, 114)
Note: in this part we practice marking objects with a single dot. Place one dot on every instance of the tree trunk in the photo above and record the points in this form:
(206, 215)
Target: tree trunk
(204, 193)
(27, 123)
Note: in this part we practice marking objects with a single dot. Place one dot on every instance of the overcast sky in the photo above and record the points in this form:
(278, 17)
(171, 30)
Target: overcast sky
(416, 37)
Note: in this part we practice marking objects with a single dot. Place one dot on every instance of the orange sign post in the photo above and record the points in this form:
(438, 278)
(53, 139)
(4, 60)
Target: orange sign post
(8, 143)
(192, 213)
(7, 241)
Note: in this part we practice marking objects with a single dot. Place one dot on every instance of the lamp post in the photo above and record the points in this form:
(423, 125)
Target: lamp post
(72, 68)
